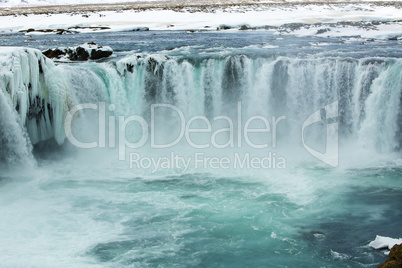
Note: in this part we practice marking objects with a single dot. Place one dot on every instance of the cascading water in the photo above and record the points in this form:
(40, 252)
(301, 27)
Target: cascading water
(36, 94)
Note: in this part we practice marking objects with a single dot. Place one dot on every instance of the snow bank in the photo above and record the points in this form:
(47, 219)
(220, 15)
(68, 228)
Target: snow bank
(383, 242)
(14, 3)
(19, 3)
(235, 16)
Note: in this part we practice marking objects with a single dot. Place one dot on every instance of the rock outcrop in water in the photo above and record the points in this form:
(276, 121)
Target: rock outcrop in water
(394, 258)
(140, 29)
(88, 51)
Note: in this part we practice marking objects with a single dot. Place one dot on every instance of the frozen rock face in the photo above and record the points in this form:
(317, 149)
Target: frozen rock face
(34, 99)
(88, 51)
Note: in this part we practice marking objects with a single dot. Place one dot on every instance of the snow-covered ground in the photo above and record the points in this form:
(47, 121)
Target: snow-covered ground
(383, 242)
(323, 19)
(13, 3)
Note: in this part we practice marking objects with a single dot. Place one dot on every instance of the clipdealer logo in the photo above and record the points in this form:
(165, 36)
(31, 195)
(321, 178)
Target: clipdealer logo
(328, 116)
(236, 138)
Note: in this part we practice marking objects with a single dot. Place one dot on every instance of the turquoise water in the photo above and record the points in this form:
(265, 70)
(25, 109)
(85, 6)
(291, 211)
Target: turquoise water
(106, 216)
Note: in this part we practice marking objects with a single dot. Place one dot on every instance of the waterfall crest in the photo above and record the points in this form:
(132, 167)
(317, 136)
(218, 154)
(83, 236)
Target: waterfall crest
(36, 94)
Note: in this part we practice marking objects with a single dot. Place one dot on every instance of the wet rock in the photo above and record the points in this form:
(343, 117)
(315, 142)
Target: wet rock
(93, 28)
(224, 27)
(293, 26)
(55, 53)
(246, 27)
(321, 31)
(395, 38)
(100, 53)
(140, 29)
(80, 53)
(394, 258)
(130, 67)
(46, 31)
(267, 27)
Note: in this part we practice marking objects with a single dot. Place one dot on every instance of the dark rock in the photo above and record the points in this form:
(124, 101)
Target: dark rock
(45, 31)
(140, 29)
(395, 38)
(37, 109)
(394, 258)
(246, 27)
(54, 53)
(62, 31)
(267, 27)
(40, 67)
(153, 79)
(94, 28)
(320, 31)
(97, 54)
(293, 26)
(80, 53)
(55, 31)
(130, 67)
(224, 27)
(349, 23)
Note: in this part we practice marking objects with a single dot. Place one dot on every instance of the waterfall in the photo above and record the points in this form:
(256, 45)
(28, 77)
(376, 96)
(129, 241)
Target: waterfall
(36, 94)
(34, 100)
